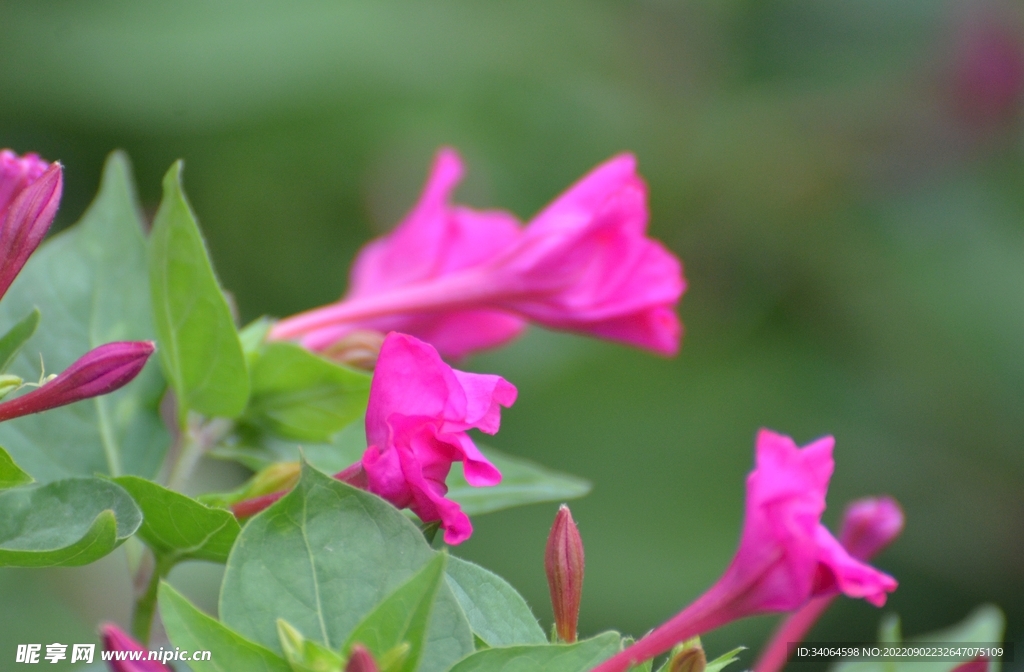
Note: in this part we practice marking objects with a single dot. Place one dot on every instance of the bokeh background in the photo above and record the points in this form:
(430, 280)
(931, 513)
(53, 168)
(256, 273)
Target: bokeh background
(843, 181)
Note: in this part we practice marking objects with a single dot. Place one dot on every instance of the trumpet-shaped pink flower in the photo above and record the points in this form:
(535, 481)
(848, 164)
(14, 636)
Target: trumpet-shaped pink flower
(30, 190)
(99, 371)
(869, 525)
(118, 641)
(465, 280)
(785, 556)
(416, 422)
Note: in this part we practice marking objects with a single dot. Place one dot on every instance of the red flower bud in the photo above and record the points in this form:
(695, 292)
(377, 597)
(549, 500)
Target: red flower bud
(563, 563)
(361, 660)
(99, 371)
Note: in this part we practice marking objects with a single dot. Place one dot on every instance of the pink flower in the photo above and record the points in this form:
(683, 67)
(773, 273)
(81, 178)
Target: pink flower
(869, 525)
(30, 190)
(416, 422)
(466, 280)
(118, 641)
(785, 556)
(99, 371)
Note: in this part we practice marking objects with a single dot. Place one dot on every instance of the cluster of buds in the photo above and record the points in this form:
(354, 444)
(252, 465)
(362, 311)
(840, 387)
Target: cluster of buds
(30, 191)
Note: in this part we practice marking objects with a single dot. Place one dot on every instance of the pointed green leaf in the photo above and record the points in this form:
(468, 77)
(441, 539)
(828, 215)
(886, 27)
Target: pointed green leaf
(579, 657)
(179, 527)
(199, 347)
(192, 630)
(91, 283)
(302, 396)
(12, 341)
(522, 482)
(69, 522)
(723, 660)
(402, 617)
(306, 655)
(497, 614)
(322, 558)
(11, 475)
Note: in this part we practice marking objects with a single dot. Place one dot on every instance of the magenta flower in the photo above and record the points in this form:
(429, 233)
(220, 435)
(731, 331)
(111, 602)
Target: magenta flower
(118, 641)
(785, 556)
(99, 371)
(869, 525)
(30, 191)
(416, 422)
(465, 280)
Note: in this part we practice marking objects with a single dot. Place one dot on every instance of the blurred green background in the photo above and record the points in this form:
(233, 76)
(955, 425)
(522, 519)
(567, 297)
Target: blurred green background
(842, 180)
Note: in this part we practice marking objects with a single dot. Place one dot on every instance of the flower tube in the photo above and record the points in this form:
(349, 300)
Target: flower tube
(465, 280)
(785, 555)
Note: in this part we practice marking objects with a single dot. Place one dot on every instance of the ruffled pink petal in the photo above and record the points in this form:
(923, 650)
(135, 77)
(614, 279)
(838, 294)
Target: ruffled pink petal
(852, 577)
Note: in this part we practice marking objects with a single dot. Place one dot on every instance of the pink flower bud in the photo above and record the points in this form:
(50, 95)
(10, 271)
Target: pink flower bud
(869, 525)
(563, 563)
(100, 371)
(361, 660)
(116, 640)
(30, 192)
(464, 280)
(785, 557)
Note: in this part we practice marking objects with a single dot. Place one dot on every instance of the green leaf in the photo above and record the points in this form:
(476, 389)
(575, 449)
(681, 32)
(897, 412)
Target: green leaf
(522, 482)
(302, 396)
(199, 347)
(402, 617)
(11, 475)
(191, 629)
(178, 527)
(579, 657)
(724, 660)
(12, 341)
(322, 558)
(69, 522)
(984, 625)
(497, 614)
(91, 283)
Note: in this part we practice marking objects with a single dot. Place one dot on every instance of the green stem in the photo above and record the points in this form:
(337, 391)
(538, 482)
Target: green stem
(145, 604)
(188, 458)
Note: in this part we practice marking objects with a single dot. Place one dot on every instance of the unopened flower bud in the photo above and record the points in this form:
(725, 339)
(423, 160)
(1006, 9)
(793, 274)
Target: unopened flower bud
(99, 371)
(869, 525)
(30, 192)
(361, 660)
(687, 657)
(563, 563)
(359, 348)
(9, 383)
